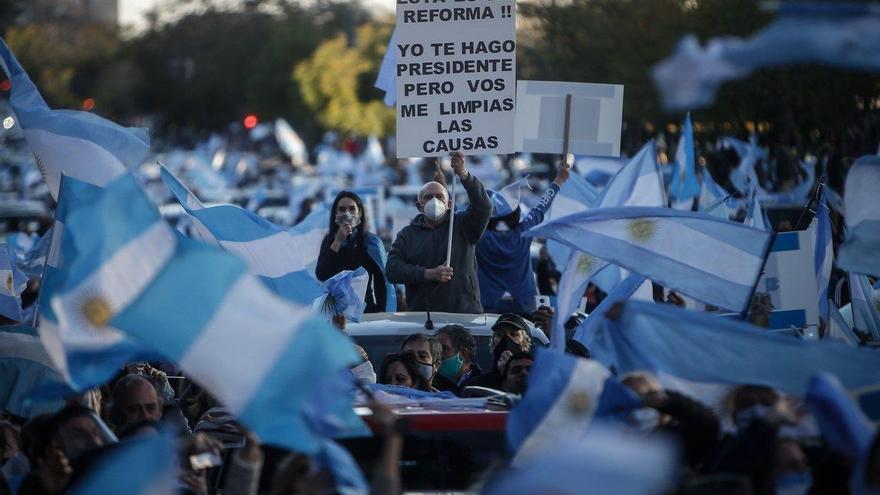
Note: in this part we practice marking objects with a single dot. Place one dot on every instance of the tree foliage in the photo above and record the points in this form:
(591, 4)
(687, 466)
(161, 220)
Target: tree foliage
(337, 82)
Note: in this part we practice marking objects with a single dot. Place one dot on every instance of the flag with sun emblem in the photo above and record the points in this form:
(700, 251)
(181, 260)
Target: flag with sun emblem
(12, 283)
(638, 183)
(564, 395)
(279, 257)
(109, 244)
(73, 143)
(711, 260)
(260, 355)
(707, 349)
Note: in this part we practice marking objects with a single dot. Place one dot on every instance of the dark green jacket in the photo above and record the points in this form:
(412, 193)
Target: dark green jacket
(419, 246)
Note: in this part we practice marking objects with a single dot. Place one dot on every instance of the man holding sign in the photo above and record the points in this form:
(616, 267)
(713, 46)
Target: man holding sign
(419, 253)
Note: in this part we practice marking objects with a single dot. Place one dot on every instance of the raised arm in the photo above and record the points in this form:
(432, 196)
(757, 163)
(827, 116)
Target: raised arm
(476, 217)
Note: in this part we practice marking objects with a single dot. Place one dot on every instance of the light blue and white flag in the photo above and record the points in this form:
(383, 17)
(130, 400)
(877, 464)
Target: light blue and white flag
(860, 253)
(280, 258)
(638, 183)
(843, 425)
(839, 329)
(260, 355)
(347, 475)
(12, 283)
(824, 256)
(344, 294)
(744, 177)
(145, 465)
(126, 248)
(290, 143)
(864, 302)
(587, 332)
(25, 368)
(564, 395)
(704, 348)
(718, 209)
(32, 260)
(840, 35)
(710, 260)
(606, 459)
(386, 80)
(685, 185)
(755, 217)
(574, 196)
(77, 144)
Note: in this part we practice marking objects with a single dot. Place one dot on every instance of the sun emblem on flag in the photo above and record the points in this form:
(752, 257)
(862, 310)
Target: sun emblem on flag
(10, 283)
(578, 403)
(642, 230)
(96, 310)
(585, 263)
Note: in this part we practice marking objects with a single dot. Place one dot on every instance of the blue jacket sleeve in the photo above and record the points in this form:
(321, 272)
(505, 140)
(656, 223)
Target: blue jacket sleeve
(536, 214)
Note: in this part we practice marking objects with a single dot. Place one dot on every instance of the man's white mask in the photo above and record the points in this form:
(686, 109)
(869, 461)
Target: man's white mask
(435, 209)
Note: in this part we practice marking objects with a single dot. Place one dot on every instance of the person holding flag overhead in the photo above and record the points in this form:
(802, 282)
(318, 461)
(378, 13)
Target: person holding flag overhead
(503, 255)
(418, 257)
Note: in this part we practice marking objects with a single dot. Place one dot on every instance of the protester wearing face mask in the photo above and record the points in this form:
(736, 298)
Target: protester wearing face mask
(510, 335)
(349, 246)
(458, 347)
(363, 371)
(428, 353)
(402, 370)
(695, 426)
(418, 256)
(504, 262)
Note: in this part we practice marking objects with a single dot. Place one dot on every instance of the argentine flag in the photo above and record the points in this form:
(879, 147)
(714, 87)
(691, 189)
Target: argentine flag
(865, 312)
(711, 260)
(564, 395)
(386, 80)
(280, 258)
(638, 183)
(77, 144)
(140, 465)
(12, 283)
(860, 253)
(685, 185)
(25, 368)
(824, 256)
(704, 348)
(119, 252)
(261, 356)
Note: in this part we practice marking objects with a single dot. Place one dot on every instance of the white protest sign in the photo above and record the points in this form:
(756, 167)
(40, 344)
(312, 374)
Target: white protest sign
(456, 76)
(790, 279)
(596, 117)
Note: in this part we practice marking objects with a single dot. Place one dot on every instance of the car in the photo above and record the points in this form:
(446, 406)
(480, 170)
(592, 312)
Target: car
(381, 333)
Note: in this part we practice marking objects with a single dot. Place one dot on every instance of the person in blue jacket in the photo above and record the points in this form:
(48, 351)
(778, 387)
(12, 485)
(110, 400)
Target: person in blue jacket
(348, 245)
(503, 256)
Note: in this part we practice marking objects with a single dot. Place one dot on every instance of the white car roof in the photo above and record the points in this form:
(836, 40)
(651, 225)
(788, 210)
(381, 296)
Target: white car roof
(407, 323)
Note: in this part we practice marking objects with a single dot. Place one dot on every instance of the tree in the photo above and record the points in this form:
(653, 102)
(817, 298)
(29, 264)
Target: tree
(337, 82)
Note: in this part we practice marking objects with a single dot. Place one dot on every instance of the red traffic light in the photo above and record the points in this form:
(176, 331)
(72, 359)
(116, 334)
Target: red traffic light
(251, 121)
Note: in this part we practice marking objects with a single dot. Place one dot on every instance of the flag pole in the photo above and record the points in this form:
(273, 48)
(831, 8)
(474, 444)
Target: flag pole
(451, 222)
(48, 255)
(814, 198)
(557, 342)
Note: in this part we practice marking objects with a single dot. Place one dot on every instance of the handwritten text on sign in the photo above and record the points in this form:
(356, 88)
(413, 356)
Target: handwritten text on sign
(456, 76)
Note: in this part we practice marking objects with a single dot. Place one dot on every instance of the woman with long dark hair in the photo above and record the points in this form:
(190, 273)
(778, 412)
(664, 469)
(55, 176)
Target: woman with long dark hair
(402, 370)
(348, 245)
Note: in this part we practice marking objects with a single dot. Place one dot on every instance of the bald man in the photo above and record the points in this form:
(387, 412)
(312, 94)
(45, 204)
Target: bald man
(418, 254)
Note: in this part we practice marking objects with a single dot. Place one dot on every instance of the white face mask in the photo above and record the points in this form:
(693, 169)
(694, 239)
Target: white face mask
(426, 370)
(364, 373)
(502, 226)
(434, 209)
